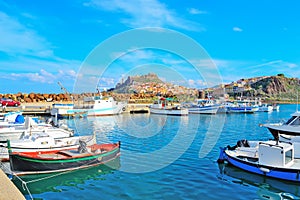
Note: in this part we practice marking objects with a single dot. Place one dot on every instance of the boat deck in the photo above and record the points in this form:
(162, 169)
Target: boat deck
(296, 164)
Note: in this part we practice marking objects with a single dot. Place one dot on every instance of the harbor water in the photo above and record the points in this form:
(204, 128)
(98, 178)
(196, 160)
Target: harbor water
(166, 157)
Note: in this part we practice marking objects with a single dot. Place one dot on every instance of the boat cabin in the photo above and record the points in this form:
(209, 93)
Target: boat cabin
(279, 154)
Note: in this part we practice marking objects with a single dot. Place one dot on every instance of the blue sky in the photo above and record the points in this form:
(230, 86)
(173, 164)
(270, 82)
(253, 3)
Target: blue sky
(43, 42)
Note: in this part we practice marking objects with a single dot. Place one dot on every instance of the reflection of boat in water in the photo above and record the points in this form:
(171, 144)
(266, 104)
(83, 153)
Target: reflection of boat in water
(38, 184)
(269, 188)
(51, 161)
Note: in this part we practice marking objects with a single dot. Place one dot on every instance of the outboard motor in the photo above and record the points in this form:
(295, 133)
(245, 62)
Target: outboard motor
(243, 143)
(82, 147)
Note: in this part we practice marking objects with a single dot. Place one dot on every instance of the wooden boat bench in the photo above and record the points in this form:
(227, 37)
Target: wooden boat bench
(71, 153)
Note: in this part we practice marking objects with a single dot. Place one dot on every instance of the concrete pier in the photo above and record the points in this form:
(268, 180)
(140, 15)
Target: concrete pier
(8, 190)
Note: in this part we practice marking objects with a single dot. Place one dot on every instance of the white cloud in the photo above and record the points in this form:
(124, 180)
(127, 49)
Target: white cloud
(43, 76)
(145, 13)
(195, 11)
(237, 29)
(18, 39)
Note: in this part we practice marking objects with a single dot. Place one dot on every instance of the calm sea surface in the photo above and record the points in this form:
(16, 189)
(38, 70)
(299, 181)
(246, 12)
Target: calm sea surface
(166, 158)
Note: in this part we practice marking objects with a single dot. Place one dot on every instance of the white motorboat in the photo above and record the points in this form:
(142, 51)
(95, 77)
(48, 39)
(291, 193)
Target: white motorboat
(91, 106)
(288, 131)
(290, 127)
(12, 118)
(164, 106)
(42, 142)
(204, 106)
(268, 158)
(30, 127)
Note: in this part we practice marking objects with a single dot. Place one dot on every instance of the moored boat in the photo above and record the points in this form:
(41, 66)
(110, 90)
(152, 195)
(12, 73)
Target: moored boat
(268, 158)
(22, 163)
(288, 131)
(290, 127)
(204, 106)
(91, 106)
(265, 108)
(164, 106)
(241, 107)
(30, 127)
(43, 142)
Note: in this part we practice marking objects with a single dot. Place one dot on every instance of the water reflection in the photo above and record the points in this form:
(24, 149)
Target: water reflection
(38, 184)
(268, 188)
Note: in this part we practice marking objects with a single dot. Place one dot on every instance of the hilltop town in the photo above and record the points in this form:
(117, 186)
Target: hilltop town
(145, 88)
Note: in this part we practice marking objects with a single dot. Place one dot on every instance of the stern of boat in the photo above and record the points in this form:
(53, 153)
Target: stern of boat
(222, 156)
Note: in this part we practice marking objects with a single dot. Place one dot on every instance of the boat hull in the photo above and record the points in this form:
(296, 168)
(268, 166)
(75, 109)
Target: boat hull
(241, 109)
(269, 171)
(176, 112)
(204, 110)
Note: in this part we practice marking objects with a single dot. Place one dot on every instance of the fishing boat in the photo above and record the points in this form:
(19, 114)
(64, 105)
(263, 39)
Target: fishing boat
(164, 106)
(42, 142)
(41, 162)
(265, 108)
(240, 107)
(91, 106)
(203, 106)
(268, 158)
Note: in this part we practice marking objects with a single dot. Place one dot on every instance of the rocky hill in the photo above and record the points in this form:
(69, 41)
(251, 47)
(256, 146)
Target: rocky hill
(149, 86)
(132, 83)
(277, 87)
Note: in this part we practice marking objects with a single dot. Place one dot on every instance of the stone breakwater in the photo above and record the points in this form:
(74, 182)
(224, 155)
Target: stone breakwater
(61, 97)
(36, 97)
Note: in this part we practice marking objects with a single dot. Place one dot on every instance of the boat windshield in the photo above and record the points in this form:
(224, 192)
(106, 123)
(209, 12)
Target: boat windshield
(292, 120)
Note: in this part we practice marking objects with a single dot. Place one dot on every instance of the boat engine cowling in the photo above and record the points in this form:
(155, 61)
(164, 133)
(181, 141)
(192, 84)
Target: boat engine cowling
(240, 143)
(243, 143)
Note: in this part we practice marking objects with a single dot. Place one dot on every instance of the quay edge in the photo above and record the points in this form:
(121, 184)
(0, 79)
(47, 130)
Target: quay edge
(8, 190)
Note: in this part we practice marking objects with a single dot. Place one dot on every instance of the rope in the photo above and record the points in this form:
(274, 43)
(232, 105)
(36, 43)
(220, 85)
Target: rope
(24, 184)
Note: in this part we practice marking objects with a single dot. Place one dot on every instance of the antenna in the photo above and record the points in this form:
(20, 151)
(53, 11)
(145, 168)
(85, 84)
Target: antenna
(297, 102)
(64, 89)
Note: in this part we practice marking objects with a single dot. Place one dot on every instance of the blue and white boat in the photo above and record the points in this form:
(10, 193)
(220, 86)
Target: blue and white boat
(204, 106)
(241, 107)
(267, 158)
(265, 108)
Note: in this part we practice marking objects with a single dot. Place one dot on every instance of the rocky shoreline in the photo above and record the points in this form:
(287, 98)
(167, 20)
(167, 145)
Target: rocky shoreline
(49, 99)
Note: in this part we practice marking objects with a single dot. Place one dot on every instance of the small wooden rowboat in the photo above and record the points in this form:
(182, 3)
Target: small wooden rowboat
(22, 163)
